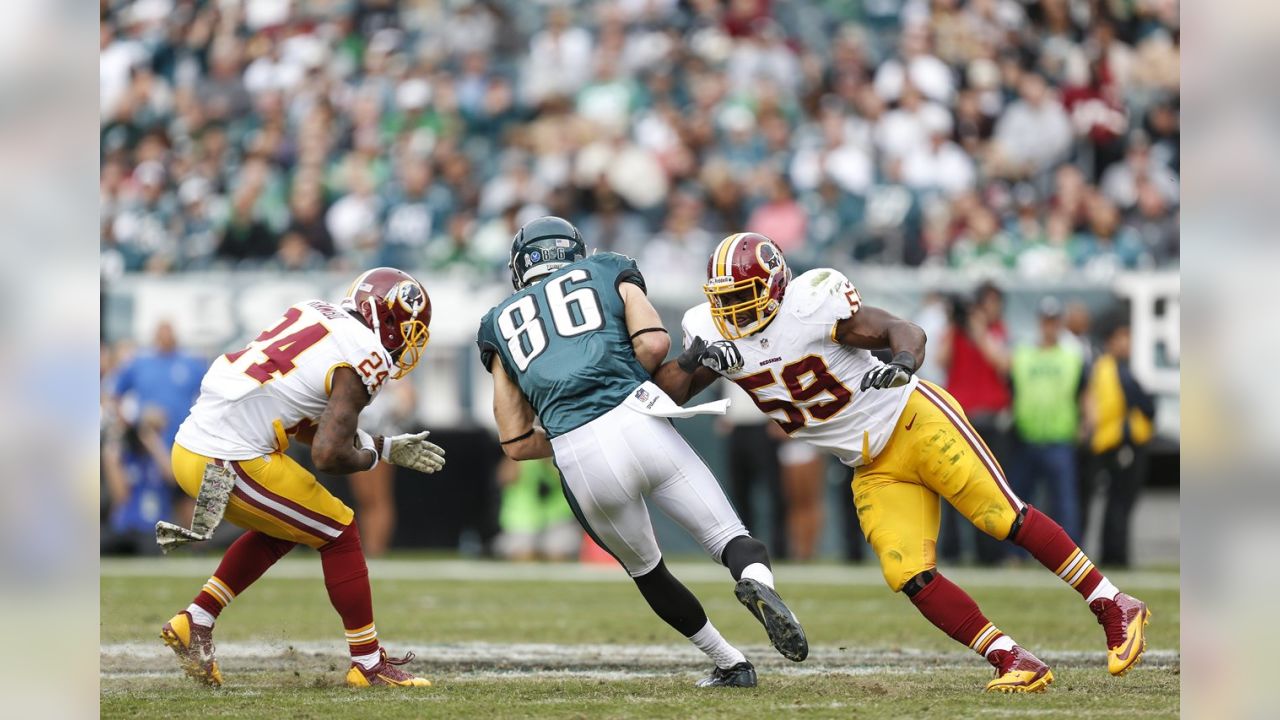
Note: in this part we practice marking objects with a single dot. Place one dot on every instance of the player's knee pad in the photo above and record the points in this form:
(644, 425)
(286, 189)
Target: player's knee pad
(742, 551)
(918, 582)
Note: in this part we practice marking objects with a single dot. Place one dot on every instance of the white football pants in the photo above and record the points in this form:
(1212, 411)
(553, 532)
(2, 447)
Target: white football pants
(613, 462)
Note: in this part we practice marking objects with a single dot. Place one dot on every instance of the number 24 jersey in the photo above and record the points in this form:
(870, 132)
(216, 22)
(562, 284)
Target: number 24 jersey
(798, 374)
(251, 399)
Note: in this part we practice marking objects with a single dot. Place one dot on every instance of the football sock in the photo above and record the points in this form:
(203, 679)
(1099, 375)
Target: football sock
(759, 573)
(671, 600)
(710, 641)
(1049, 543)
(1004, 642)
(200, 616)
(244, 562)
(747, 557)
(346, 577)
(944, 604)
(1104, 590)
(369, 661)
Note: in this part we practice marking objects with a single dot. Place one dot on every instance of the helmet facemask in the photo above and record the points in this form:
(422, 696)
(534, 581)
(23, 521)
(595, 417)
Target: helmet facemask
(394, 319)
(740, 308)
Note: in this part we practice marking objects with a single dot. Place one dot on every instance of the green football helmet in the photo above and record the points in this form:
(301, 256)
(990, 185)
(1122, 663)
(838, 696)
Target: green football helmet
(543, 246)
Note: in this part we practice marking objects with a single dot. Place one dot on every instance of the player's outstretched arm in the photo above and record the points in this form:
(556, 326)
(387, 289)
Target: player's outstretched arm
(511, 409)
(649, 338)
(871, 328)
(333, 448)
(697, 367)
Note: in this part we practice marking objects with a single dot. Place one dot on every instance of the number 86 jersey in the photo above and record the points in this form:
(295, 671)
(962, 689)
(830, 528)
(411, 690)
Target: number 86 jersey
(800, 376)
(251, 399)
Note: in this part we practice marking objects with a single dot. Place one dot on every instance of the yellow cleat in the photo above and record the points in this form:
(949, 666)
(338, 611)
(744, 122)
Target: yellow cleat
(193, 644)
(1125, 621)
(385, 673)
(1018, 671)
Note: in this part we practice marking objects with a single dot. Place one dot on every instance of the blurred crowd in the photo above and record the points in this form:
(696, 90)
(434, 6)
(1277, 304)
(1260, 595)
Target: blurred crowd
(1036, 137)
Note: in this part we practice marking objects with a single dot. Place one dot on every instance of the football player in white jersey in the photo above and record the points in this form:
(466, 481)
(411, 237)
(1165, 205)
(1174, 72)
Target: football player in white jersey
(801, 348)
(307, 377)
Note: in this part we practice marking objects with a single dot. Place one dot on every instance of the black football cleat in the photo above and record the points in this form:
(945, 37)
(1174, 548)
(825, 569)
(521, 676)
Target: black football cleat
(779, 622)
(741, 675)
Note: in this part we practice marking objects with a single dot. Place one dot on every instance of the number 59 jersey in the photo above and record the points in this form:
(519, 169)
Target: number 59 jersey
(798, 374)
(564, 341)
(251, 399)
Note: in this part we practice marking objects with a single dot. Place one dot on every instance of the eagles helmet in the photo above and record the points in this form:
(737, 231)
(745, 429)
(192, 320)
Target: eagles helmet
(543, 246)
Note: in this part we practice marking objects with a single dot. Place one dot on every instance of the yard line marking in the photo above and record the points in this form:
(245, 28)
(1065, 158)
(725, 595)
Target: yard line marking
(595, 655)
(866, 575)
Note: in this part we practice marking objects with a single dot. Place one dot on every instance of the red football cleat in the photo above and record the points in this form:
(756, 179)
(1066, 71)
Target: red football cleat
(1018, 671)
(385, 673)
(193, 644)
(1125, 622)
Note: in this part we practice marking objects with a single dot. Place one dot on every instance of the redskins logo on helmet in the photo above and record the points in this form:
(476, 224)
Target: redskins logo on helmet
(396, 307)
(746, 278)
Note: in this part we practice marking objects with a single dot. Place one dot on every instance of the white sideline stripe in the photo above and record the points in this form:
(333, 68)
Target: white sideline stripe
(867, 575)
(542, 654)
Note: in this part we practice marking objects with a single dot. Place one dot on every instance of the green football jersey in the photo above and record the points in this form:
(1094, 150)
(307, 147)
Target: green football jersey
(564, 341)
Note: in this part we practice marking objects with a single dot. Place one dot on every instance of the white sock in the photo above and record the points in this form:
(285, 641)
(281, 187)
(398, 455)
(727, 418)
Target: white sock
(1004, 642)
(1104, 590)
(710, 641)
(760, 573)
(370, 661)
(200, 616)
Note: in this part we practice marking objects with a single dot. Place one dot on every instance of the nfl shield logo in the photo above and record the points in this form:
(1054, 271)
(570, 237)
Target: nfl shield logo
(764, 342)
(642, 394)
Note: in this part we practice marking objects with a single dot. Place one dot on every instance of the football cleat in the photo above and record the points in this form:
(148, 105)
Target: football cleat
(193, 644)
(1125, 621)
(741, 675)
(1018, 671)
(385, 673)
(779, 622)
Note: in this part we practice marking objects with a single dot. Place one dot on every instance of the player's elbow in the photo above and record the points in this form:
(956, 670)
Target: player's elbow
(516, 451)
(523, 450)
(651, 349)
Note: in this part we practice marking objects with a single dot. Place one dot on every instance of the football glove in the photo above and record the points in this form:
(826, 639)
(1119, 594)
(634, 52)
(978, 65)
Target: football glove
(408, 450)
(894, 374)
(722, 356)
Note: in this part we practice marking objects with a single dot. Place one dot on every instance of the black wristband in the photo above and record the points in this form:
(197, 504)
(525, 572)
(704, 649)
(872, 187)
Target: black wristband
(517, 439)
(647, 330)
(905, 360)
(376, 457)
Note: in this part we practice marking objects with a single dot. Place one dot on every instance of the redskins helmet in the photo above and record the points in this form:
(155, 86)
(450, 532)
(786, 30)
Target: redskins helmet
(397, 309)
(746, 278)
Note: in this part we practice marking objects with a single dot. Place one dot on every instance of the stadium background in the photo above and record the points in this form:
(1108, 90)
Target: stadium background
(258, 152)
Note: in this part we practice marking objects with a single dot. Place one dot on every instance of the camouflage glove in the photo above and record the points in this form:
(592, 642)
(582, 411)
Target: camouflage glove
(411, 450)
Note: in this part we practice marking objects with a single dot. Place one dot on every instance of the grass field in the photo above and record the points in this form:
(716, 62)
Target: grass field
(537, 641)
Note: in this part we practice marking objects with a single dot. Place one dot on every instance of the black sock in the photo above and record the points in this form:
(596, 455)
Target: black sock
(671, 600)
(743, 551)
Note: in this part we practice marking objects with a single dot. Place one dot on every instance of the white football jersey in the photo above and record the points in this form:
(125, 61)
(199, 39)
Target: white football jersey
(250, 400)
(798, 374)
